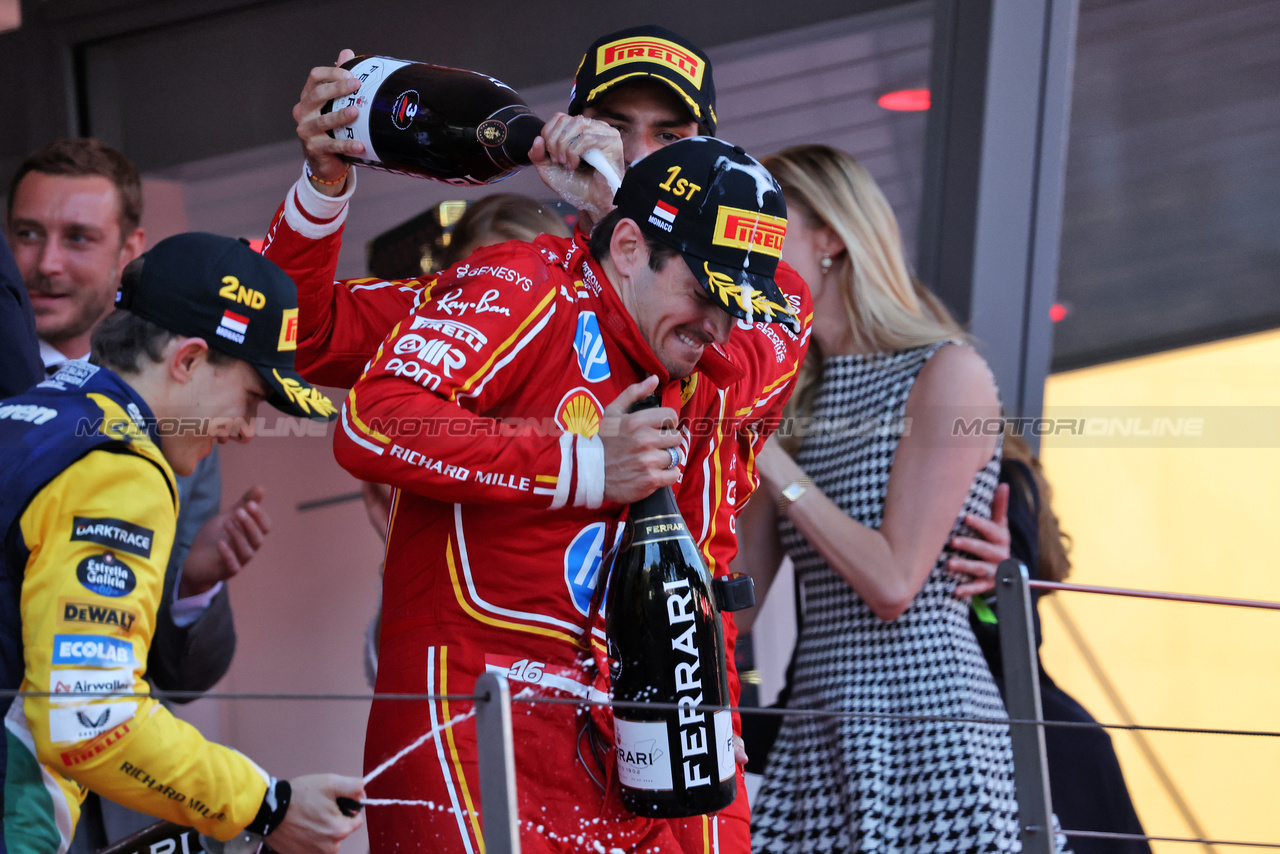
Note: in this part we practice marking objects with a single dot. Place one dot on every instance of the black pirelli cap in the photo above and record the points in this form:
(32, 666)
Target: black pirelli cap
(648, 52)
(217, 288)
(724, 212)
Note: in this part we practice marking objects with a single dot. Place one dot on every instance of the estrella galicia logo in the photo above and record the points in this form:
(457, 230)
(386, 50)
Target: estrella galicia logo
(106, 575)
(582, 565)
(113, 533)
(589, 345)
(404, 109)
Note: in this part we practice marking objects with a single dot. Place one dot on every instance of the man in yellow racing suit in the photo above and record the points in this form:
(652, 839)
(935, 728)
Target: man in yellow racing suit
(88, 506)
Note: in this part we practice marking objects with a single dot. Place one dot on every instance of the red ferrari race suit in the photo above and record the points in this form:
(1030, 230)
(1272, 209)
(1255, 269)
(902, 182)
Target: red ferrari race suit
(341, 326)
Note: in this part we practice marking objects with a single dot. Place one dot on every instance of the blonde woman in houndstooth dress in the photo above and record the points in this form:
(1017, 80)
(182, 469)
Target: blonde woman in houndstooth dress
(876, 490)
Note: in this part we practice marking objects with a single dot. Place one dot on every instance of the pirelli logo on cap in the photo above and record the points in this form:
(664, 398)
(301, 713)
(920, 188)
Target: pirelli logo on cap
(649, 49)
(749, 230)
(288, 330)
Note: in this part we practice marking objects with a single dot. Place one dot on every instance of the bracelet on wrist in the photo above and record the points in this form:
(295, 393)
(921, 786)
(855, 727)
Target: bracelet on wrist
(791, 493)
(275, 803)
(306, 167)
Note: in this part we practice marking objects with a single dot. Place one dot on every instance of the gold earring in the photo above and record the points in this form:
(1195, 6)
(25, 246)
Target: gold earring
(826, 262)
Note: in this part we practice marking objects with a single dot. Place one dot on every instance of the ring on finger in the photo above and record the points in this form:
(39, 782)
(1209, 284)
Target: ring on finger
(675, 458)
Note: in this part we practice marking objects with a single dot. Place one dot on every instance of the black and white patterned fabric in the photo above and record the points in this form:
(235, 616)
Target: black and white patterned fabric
(879, 784)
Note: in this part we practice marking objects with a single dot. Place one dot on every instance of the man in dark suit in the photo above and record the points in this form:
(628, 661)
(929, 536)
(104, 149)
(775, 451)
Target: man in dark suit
(19, 349)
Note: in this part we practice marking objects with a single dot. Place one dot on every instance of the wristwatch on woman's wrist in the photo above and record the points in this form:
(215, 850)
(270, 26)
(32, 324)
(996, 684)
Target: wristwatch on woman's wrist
(791, 493)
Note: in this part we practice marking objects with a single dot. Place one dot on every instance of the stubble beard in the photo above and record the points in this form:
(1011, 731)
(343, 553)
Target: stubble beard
(88, 310)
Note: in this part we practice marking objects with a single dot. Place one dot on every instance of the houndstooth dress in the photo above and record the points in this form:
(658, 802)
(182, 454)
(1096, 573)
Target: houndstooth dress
(877, 784)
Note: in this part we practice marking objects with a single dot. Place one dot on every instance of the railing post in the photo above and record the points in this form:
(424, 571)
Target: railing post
(1022, 698)
(495, 750)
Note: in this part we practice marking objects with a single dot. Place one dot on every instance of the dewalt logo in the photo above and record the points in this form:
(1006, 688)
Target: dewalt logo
(73, 613)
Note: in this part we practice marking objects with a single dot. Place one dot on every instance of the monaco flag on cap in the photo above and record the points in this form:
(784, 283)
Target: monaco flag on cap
(665, 211)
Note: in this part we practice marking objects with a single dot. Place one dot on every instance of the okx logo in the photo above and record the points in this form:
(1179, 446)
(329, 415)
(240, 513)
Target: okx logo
(587, 343)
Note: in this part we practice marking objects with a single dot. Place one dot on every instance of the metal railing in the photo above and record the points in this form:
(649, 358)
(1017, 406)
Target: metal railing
(493, 702)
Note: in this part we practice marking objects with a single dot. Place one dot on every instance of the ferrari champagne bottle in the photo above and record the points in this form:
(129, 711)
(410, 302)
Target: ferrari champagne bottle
(448, 124)
(666, 645)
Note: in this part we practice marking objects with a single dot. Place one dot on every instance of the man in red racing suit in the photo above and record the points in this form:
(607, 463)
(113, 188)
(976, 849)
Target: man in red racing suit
(341, 325)
(490, 341)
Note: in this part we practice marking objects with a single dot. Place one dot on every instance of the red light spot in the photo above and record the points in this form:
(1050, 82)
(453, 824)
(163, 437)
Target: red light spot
(1057, 312)
(256, 246)
(905, 100)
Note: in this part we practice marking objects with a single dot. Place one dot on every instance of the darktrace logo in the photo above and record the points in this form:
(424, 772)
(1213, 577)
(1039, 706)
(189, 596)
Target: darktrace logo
(113, 533)
(106, 575)
(404, 109)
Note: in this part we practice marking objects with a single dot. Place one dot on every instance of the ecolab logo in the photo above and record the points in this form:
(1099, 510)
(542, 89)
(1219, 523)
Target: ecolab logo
(749, 230)
(92, 651)
(648, 49)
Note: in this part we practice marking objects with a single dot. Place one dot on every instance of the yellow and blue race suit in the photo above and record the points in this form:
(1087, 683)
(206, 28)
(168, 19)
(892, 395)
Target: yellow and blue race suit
(87, 513)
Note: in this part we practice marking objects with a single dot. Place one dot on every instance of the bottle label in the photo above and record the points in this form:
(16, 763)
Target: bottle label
(371, 72)
(644, 754)
(655, 529)
(724, 738)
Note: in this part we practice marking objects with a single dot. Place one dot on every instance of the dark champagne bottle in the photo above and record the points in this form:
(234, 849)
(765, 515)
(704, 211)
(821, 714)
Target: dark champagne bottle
(448, 124)
(666, 645)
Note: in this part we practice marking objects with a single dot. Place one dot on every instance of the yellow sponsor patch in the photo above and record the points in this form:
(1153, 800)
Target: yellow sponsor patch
(579, 412)
(649, 49)
(687, 387)
(288, 330)
(75, 613)
(749, 230)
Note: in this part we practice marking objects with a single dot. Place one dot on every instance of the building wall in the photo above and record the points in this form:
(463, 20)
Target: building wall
(1194, 516)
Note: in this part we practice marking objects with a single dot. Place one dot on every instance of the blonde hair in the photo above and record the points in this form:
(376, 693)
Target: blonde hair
(500, 217)
(887, 309)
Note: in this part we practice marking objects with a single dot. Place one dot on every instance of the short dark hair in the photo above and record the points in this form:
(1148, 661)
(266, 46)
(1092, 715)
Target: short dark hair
(123, 339)
(85, 156)
(659, 253)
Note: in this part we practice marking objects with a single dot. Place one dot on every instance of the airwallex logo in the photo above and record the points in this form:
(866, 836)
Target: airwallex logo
(78, 685)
